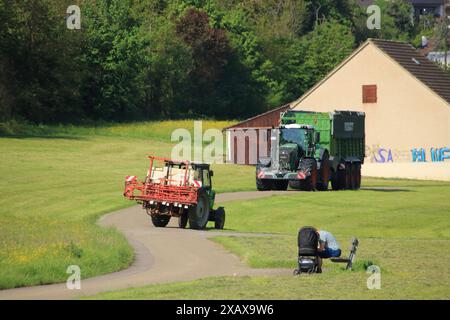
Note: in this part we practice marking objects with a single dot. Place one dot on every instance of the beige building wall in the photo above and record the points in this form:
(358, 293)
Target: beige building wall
(407, 114)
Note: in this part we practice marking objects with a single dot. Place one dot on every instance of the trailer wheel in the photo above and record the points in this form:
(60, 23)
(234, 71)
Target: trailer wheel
(334, 180)
(160, 221)
(339, 180)
(263, 184)
(219, 221)
(358, 176)
(183, 220)
(349, 176)
(199, 214)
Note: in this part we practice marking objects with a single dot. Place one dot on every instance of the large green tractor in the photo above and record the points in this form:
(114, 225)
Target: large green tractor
(308, 150)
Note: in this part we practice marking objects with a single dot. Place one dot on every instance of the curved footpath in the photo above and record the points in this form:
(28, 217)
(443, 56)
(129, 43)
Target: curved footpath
(162, 255)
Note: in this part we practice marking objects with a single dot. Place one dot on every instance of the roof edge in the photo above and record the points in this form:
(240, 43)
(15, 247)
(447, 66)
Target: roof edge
(424, 84)
(258, 116)
(332, 72)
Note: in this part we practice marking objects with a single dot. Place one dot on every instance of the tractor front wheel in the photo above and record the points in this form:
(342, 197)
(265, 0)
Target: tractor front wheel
(308, 165)
(295, 184)
(219, 221)
(263, 184)
(183, 220)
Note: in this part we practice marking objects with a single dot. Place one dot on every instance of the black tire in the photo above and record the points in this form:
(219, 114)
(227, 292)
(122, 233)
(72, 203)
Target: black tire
(160, 221)
(358, 176)
(295, 184)
(280, 185)
(324, 173)
(354, 176)
(219, 221)
(199, 214)
(338, 181)
(263, 184)
(183, 220)
(334, 181)
(297, 272)
(308, 165)
(348, 176)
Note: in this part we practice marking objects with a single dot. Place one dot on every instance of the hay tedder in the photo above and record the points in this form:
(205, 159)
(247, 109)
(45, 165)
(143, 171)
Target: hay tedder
(178, 189)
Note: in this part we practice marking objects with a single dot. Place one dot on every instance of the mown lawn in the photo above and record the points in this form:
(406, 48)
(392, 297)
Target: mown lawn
(55, 186)
(57, 181)
(406, 232)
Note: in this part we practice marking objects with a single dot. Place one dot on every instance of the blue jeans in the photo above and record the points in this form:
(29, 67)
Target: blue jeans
(329, 253)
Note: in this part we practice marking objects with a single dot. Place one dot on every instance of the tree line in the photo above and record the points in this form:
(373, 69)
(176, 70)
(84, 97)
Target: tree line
(153, 59)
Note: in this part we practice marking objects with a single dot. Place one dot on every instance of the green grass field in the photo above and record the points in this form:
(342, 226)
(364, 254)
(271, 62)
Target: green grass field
(58, 180)
(405, 232)
(55, 186)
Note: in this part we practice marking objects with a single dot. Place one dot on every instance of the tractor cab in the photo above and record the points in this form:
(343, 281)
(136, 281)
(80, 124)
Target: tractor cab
(203, 174)
(296, 142)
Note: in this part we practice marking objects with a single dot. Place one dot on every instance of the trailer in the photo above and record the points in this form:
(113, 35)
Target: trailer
(311, 149)
(178, 189)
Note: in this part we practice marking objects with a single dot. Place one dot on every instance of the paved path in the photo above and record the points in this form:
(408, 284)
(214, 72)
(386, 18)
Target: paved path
(162, 255)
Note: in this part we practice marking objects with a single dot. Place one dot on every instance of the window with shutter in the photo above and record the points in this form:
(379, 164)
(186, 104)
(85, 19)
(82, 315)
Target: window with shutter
(369, 93)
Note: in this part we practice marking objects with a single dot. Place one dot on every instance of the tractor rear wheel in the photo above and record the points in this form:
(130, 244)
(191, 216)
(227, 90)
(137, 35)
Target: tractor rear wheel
(219, 221)
(199, 214)
(160, 221)
(324, 178)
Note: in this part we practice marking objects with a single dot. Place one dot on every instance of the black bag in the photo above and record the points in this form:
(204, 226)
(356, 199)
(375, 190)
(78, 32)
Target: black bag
(308, 240)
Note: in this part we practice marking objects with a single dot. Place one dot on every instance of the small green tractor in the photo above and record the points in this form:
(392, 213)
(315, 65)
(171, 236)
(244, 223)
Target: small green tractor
(178, 189)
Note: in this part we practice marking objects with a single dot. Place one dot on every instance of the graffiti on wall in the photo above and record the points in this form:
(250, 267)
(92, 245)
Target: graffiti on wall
(380, 154)
(435, 154)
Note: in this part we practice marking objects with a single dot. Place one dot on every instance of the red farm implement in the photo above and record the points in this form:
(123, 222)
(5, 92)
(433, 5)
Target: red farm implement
(176, 189)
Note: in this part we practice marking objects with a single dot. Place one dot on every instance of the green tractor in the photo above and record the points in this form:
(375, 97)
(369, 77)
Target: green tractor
(308, 150)
(178, 189)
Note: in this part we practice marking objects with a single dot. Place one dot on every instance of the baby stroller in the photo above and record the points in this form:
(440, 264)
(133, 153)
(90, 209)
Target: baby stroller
(308, 260)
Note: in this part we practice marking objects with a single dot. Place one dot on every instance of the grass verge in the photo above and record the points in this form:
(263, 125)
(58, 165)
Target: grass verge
(54, 187)
(406, 232)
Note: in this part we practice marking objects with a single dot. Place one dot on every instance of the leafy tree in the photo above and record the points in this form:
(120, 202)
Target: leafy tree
(144, 59)
(397, 21)
(40, 80)
(317, 54)
(219, 85)
(113, 58)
